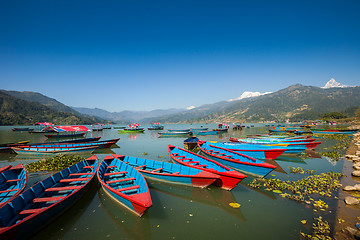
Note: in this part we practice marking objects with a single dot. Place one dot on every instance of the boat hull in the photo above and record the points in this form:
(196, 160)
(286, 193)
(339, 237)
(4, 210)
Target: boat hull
(169, 172)
(33, 221)
(125, 185)
(228, 177)
(238, 161)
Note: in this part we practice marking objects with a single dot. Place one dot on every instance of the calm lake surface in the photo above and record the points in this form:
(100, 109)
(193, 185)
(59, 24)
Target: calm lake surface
(180, 212)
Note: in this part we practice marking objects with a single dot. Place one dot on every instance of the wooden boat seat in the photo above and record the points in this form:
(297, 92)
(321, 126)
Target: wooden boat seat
(227, 156)
(32, 210)
(193, 162)
(13, 180)
(115, 173)
(176, 173)
(47, 199)
(112, 166)
(121, 180)
(129, 188)
(157, 170)
(67, 188)
(88, 167)
(186, 159)
(79, 174)
(73, 179)
(142, 166)
(9, 190)
(204, 165)
(178, 156)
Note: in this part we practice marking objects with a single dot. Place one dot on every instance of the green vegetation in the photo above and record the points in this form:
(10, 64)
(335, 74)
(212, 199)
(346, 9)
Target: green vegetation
(338, 150)
(14, 111)
(56, 163)
(333, 116)
(303, 190)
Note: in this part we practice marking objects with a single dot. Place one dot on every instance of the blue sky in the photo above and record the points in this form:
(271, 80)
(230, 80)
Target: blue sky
(145, 55)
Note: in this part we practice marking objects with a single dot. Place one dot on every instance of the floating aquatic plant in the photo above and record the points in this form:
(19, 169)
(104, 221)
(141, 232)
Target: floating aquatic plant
(56, 163)
(321, 230)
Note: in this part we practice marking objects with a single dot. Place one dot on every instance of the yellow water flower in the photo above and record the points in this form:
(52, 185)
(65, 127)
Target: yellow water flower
(234, 205)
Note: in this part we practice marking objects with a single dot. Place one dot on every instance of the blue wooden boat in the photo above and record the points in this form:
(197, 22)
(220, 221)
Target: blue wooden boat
(124, 184)
(12, 182)
(6, 147)
(179, 130)
(92, 139)
(198, 129)
(174, 134)
(36, 207)
(291, 147)
(228, 177)
(258, 152)
(70, 135)
(169, 172)
(99, 144)
(333, 131)
(52, 150)
(213, 132)
(236, 160)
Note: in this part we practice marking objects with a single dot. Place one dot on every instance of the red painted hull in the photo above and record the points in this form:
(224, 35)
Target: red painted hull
(227, 180)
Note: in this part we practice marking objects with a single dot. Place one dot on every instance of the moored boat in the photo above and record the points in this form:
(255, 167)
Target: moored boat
(12, 182)
(156, 126)
(100, 144)
(30, 211)
(6, 147)
(71, 135)
(170, 172)
(236, 160)
(124, 184)
(25, 129)
(52, 150)
(228, 177)
(191, 143)
(174, 134)
(291, 147)
(258, 152)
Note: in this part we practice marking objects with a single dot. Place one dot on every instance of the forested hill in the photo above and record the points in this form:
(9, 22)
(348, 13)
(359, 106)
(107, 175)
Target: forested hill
(44, 100)
(296, 102)
(15, 111)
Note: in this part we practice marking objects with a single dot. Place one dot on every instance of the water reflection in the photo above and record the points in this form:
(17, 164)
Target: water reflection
(133, 226)
(66, 222)
(211, 196)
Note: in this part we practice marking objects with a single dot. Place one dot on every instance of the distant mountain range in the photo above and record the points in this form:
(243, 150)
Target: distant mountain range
(127, 116)
(296, 102)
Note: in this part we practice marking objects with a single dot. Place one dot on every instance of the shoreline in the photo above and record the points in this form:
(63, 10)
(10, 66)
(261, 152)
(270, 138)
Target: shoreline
(349, 213)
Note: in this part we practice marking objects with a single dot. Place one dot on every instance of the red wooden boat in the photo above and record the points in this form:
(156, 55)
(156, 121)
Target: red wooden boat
(229, 178)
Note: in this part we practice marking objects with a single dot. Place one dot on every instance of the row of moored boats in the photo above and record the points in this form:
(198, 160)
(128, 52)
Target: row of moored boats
(23, 213)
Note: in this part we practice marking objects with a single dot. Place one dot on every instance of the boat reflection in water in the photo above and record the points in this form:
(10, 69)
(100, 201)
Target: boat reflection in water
(72, 219)
(211, 196)
(131, 225)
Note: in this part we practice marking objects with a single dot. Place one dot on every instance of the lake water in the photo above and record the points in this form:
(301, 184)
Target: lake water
(180, 212)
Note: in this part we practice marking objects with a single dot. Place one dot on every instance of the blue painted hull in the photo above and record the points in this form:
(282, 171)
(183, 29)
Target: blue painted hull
(169, 172)
(12, 182)
(238, 161)
(29, 212)
(125, 185)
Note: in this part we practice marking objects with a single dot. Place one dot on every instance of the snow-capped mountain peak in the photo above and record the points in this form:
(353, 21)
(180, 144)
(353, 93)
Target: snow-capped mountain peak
(334, 84)
(247, 94)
